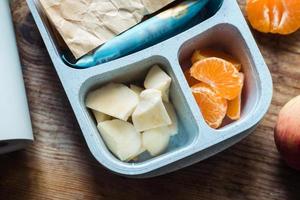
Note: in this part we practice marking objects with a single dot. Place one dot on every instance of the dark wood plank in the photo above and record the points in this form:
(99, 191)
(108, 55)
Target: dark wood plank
(59, 166)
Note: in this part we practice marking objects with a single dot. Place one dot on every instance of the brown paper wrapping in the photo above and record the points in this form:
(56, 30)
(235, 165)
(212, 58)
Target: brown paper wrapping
(86, 24)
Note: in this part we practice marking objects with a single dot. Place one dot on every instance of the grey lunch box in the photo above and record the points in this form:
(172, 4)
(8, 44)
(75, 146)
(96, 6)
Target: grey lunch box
(196, 141)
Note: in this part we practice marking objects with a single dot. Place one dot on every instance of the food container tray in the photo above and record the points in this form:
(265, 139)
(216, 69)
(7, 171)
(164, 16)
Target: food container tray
(196, 141)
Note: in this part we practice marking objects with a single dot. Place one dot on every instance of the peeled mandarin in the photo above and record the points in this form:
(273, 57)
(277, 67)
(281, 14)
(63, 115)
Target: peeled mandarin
(191, 81)
(234, 106)
(274, 16)
(221, 75)
(213, 107)
(207, 53)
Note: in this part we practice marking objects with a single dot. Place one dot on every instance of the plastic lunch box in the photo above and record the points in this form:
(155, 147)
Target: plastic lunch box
(196, 141)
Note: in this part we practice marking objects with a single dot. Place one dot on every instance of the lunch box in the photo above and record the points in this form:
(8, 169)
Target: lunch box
(196, 141)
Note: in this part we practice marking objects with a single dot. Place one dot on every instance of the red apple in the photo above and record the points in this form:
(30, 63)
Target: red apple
(287, 133)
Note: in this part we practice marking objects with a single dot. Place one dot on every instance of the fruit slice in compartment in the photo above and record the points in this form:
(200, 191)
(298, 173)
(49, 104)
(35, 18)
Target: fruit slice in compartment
(231, 48)
(234, 105)
(208, 53)
(212, 106)
(136, 74)
(221, 75)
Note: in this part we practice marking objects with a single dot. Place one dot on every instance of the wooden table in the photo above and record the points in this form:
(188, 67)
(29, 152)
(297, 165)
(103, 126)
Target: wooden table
(59, 165)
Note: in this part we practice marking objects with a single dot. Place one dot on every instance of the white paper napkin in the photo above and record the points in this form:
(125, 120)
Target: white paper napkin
(15, 125)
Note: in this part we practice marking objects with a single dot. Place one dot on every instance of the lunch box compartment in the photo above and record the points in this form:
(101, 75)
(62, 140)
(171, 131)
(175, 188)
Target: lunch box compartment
(234, 45)
(135, 74)
(60, 47)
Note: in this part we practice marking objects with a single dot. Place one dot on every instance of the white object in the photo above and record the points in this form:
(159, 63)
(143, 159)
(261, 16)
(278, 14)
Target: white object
(158, 79)
(136, 156)
(15, 125)
(121, 138)
(173, 128)
(155, 141)
(150, 112)
(101, 117)
(114, 99)
(138, 90)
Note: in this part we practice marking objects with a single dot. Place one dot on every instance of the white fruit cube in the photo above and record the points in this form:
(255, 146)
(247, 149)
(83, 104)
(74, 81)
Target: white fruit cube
(165, 95)
(122, 139)
(114, 99)
(138, 90)
(135, 157)
(158, 79)
(155, 141)
(101, 117)
(150, 112)
(173, 128)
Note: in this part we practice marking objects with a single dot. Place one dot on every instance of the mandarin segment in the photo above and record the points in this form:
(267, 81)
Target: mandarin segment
(197, 55)
(221, 75)
(191, 81)
(207, 53)
(274, 16)
(212, 106)
(234, 106)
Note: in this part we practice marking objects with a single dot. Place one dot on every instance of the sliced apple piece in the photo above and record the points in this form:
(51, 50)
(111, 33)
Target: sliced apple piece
(114, 99)
(150, 112)
(122, 139)
(165, 95)
(138, 90)
(101, 117)
(156, 140)
(173, 128)
(135, 157)
(158, 79)
(151, 93)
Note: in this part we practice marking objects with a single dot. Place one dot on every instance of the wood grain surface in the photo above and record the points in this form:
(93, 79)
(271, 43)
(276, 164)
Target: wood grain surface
(59, 165)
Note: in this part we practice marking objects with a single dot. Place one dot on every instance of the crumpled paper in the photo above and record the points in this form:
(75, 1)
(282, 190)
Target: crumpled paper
(87, 24)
